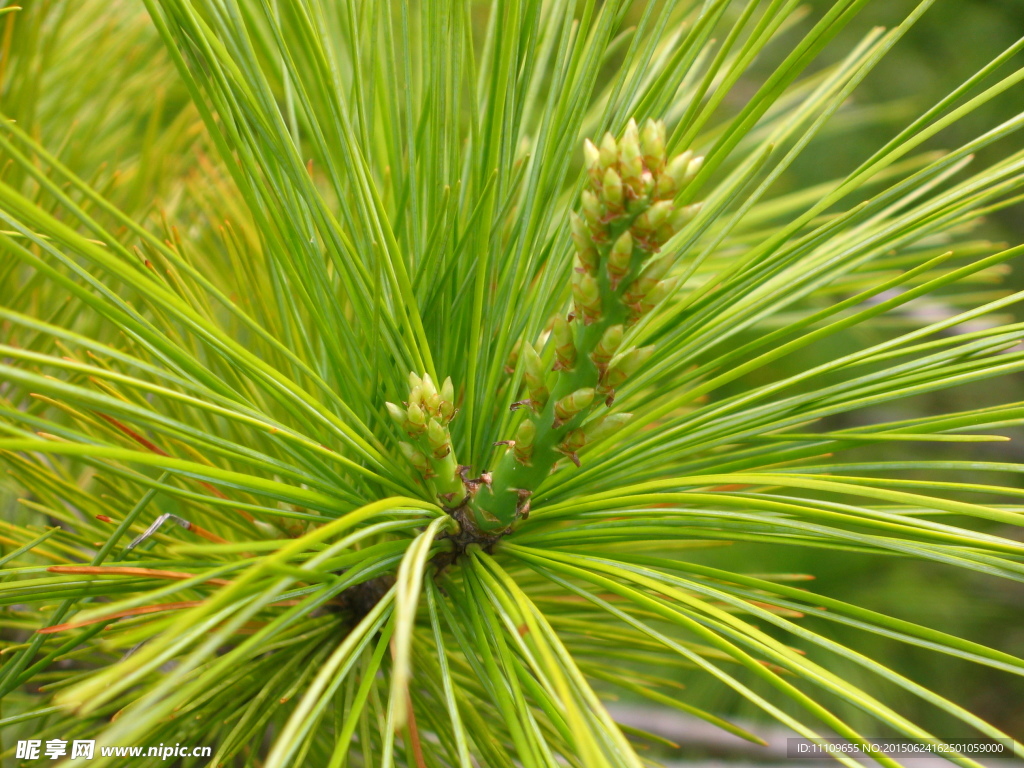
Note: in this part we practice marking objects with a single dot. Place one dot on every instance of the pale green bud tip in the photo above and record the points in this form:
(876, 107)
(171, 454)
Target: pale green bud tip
(397, 412)
(448, 390)
(591, 154)
(652, 143)
(624, 244)
(656, 215)
(591, 207)
(436, 434)
(586, 289)
(654, 271)
(562, 331)
(612, 188)
(574, 440)
(607, 346)
(416, 394)
(429, 389)
(630, 159)
(676, 168)
(612, 337)
(661, 291)
(693, 168)
(683, 216)
(578, 227)
(415, 457)
(526, 433)
(534, 366)
(609, 425)
(631, 135)
(587, 294)
(414, 381)
(619, 259)
(609, 152)
(625, 365)
(416, 415)
(565, 348)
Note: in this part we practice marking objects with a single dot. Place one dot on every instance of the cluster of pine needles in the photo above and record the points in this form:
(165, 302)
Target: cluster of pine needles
(230, 229)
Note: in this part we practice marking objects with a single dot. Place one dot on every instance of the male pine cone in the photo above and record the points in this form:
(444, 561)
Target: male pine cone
(618, 276)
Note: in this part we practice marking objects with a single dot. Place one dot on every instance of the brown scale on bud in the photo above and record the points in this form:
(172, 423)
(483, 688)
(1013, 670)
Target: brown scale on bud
(574, 440)
(523, 503)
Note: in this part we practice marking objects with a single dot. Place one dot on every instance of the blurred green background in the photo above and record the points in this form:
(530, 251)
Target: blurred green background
(952, 41)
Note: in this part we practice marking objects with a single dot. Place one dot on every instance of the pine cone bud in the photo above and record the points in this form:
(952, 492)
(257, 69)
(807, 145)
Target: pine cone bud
(656, 295)
(437, 437)
(431, 398)
(605, 427)
(652, 144)
(574, 441)
(607, 347)
(585, 249)
(619, 259)
(609, 152)
(523, 448)
(671, 181)
(535, 378)
(416, 420)
(593, 211)
(587, 295)
(682, 216)
(446, 408)
(565, 347)
(416, 457)
(655, 216)
(625, 366)
(416, 394)
(397, 414)
(611, 189)
(631, 161)
(591, 157)
(572, 405)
